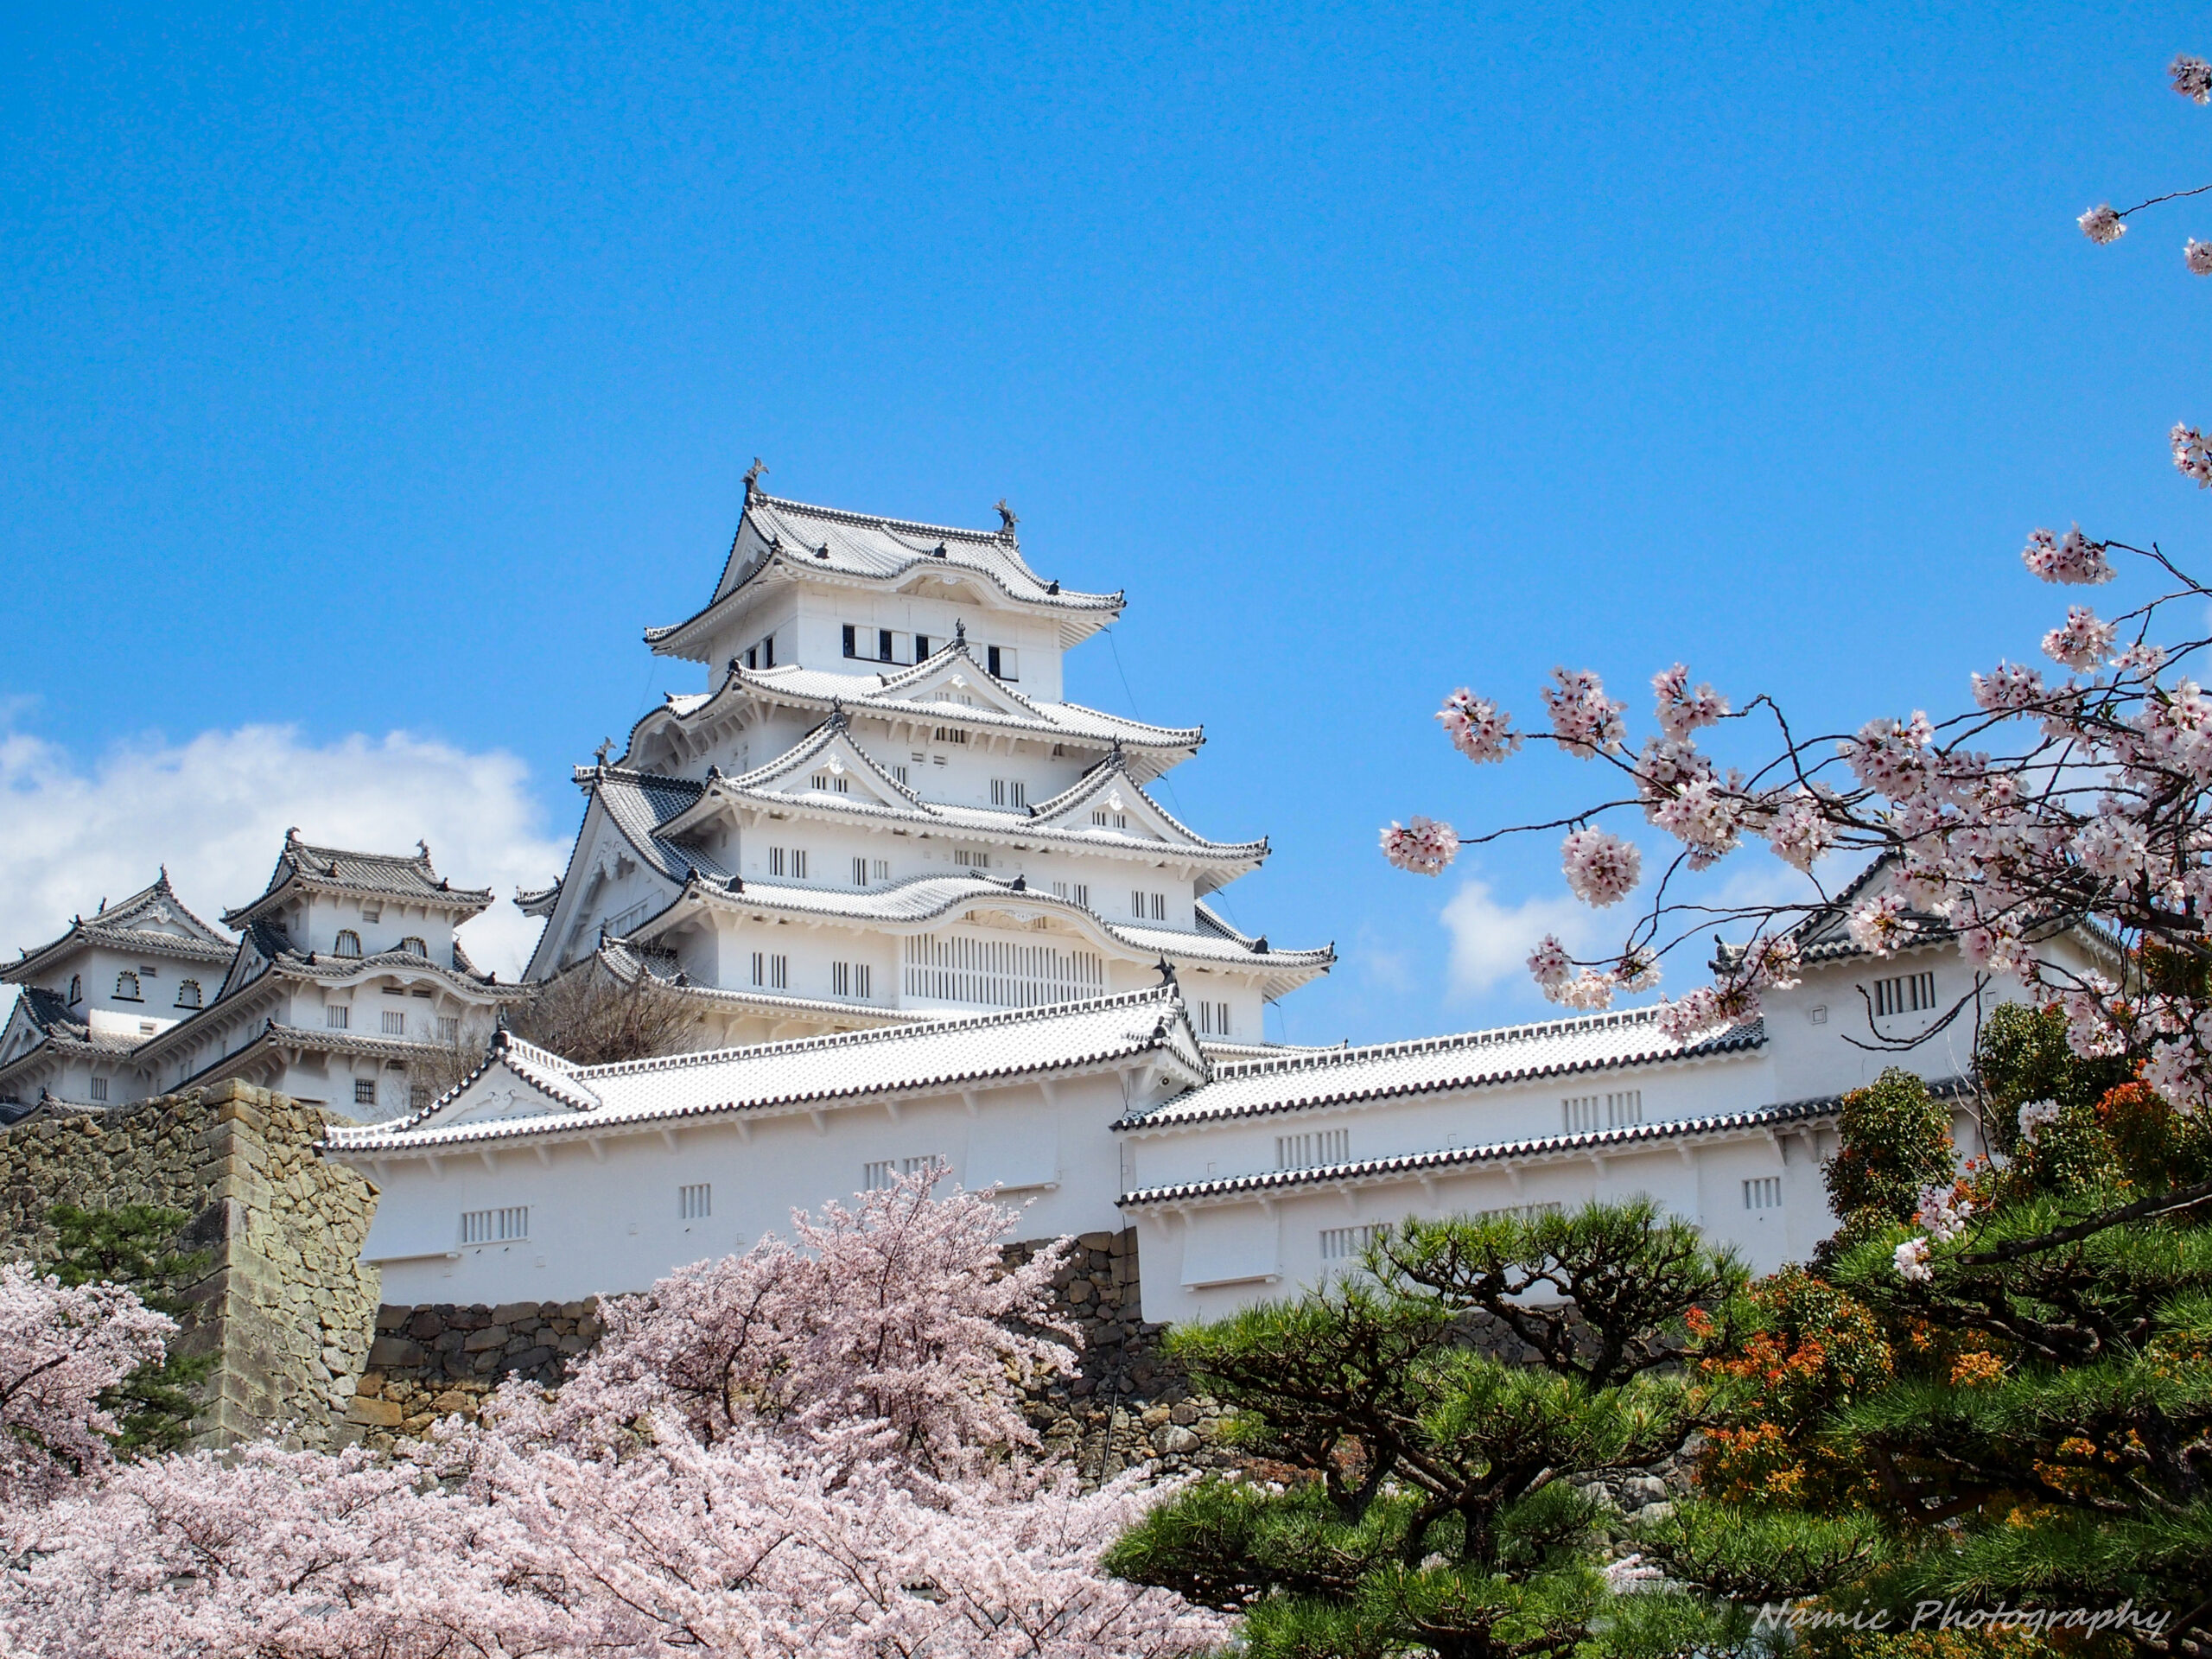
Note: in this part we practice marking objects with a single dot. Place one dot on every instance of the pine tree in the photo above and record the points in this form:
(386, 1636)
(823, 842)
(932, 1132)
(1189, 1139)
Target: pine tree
(1411, 1492)
(134, 1245)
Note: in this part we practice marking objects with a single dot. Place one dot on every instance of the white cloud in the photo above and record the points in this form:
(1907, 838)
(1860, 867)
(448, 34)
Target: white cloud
(1490, 942)
(215, 810)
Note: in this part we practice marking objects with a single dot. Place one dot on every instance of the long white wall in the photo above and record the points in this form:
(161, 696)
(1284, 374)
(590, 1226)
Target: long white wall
(610, 1219)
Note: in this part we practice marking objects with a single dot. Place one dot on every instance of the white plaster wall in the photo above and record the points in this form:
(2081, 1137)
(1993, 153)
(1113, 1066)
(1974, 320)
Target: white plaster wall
(600, 1227)
(1706, 1189)
(1389, 1129)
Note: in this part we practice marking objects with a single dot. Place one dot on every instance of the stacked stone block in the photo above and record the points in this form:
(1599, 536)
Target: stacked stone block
(286, 1300)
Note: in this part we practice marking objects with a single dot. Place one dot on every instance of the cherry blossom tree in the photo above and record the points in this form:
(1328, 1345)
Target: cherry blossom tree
(2064, 796)
(817, 1448)
(60, 1346)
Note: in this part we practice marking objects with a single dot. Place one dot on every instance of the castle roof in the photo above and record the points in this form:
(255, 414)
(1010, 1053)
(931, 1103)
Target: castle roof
(151, 922)
(409, 880)
(918, 696)
(796, 540)
(1438, 1065)
(808, 1073)
(1058, 821)
(908, 906)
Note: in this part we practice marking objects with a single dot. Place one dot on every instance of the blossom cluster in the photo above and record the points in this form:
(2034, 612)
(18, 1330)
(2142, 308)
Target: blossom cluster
(814, 1450)
(1424, 846)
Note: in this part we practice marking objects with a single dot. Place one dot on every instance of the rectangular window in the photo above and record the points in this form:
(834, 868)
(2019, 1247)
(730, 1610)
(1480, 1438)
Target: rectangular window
(879, 869)
(1148, 905)
(1764, 1193)
(885, 1173)
(495, 1226)
(695, 1203)
(1004, 661)
(969, 860)
(949, 735)
(448, 1028)
(1581, 1114)
(99, 1089)
(773, 972)
(1213, 1019)
(1106, 820)
(775, 861)
(798, 863)
(337, 1016)
(820, 781)
(373, 912)
(921, 646)
(418, 1096)
(1906, 994)
(899, 772)
(860, 872)
(1010, 793)
(841, 979)
(788, 860)
(883, 644)
(1313, 1148)
(1347, 1243)
(395, 1022)
(364, 1091)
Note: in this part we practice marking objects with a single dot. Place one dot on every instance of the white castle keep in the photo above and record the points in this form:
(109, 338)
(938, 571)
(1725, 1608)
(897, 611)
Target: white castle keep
(924, 909)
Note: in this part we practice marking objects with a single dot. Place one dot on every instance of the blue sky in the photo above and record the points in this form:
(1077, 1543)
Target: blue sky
(368, 370)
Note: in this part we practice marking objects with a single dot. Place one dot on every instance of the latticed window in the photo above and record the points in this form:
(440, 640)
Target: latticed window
(1345, 1244)
(495, 1226)
(1763, 1194)
(395, 1022)
(1906, 994)
(884, 1173)
(337, 1016)
(695, 1203)
(1000, 973)
(364, 1091)
(348, 943)
(1313, 1148)
(415, 947)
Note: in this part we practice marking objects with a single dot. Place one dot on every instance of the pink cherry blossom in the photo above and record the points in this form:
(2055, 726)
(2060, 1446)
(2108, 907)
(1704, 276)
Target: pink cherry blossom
(1910, 1260)
(1798, 830)
(60, 1346)
(2072, 558)
(1681, 710)
(2191, 455)
(2034, 1116)
(1943, 1212)
(2197, 256)
(1478, 728)
(2101, 225)
(2008, 685)
(1881, 926)
(1601, 869)
(814, 1450)
(2192, 77)
(1549, 964)
(2083, 642)
(1704, 817)
(1424, 846)
(1590, 991)
(1585, 720)
(1890, 756)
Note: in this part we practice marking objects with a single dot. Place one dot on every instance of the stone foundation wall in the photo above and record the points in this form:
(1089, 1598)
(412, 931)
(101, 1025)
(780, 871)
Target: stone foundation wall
(286, 1300)
(1126, 1404)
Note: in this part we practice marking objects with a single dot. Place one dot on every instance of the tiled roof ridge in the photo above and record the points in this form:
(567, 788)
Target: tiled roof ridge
(1164, 995)
(1483, 1039)
(980, 887)
(1535, 1146)
(877, 521)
